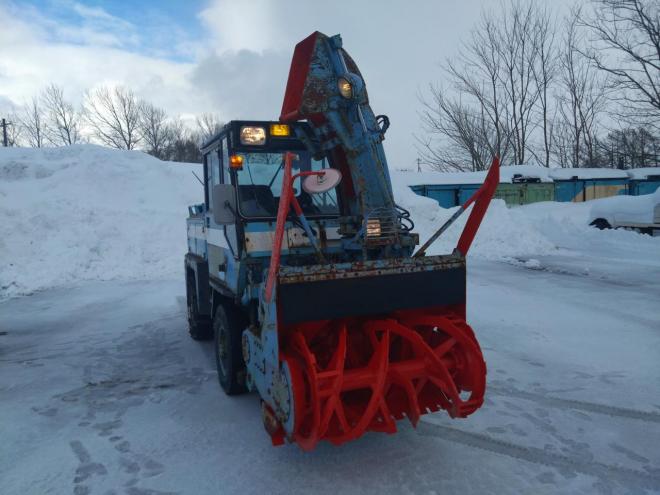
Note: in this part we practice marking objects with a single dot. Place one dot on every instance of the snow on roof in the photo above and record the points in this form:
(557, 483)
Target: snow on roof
(506, 176)
(508, 173)
(642, 172)
(587, 173)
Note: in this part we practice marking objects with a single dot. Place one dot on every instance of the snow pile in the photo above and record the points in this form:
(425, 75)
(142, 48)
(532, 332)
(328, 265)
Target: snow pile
(504, 233)
(91, 213)
(86, 212)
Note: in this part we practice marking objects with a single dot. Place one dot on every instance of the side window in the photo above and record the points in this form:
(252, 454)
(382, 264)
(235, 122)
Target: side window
(225, 161)
(221, 161)
(214, 165)
(207, 177)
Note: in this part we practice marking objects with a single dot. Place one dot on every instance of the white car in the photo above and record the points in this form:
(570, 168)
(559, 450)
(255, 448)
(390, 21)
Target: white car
(641, 213)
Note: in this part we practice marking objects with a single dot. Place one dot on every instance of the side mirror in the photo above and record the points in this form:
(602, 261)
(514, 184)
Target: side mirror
(224, 204)
(320, 183)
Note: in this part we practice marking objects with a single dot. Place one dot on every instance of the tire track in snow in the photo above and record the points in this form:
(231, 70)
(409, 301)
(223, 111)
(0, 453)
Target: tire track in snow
(626, 476)
(550, 401)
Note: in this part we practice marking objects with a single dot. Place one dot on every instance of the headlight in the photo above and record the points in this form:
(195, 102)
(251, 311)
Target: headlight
(253, 136)
(345, 88)
(373, 227)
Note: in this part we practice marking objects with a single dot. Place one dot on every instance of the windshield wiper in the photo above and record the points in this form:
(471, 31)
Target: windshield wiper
(270, 184)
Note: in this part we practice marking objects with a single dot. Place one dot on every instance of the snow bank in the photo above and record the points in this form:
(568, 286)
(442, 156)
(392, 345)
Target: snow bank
(91, 213)
(504, 233)
(86, 212)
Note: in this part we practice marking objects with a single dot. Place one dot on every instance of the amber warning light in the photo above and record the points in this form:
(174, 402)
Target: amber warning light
(236, 162)
(280, 130)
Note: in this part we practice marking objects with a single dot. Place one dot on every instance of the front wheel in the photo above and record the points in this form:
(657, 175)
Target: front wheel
(227, 328)
(601, 223)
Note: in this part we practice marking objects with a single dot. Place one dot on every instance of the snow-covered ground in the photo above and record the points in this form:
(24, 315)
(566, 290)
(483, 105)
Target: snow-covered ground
(102, 391)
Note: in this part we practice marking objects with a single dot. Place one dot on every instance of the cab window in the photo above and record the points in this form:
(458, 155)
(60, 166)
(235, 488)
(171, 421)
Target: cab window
(260, 185)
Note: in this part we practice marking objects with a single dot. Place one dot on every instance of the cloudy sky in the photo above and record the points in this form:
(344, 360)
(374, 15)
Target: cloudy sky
(228, 57)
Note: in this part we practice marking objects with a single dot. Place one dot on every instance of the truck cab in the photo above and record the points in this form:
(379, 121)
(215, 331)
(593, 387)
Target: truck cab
(227, 256)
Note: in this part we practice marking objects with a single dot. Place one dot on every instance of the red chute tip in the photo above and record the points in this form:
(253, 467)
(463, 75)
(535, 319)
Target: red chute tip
(295, 86)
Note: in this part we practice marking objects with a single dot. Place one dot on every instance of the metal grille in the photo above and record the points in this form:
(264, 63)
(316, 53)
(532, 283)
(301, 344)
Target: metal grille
(381, 226)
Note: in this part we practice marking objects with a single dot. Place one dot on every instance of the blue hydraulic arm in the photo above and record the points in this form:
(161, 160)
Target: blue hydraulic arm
(325, 87)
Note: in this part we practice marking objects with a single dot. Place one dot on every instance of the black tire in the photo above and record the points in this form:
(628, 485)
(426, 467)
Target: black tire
(227, 328)
(199, 326)
(601, 224)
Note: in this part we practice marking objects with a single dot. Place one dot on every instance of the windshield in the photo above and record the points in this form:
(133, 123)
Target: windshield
(260, 185)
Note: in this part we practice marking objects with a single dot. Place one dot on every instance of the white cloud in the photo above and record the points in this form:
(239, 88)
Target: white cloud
(238, 64)
(30, 59)
(250, 25)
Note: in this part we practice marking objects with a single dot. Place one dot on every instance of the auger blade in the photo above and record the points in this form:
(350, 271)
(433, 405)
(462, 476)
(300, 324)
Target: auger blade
(356, 375)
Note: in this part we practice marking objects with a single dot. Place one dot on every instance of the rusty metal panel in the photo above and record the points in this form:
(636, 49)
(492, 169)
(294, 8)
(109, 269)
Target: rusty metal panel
(357, 269)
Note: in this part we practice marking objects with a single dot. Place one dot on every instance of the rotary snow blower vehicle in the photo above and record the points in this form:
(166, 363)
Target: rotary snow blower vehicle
(301, 267)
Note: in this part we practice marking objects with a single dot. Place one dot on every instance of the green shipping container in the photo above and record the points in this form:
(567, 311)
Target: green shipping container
(539, 191)
(525, 193)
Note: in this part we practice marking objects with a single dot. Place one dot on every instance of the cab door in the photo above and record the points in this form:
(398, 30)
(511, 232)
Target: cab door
(221, 244)
(232, 231)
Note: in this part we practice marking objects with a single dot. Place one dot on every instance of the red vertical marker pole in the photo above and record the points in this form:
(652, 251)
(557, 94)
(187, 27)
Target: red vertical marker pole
(481, 202)
(282, 212)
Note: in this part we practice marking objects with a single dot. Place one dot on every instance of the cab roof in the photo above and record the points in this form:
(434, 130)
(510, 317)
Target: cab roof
(233, 127)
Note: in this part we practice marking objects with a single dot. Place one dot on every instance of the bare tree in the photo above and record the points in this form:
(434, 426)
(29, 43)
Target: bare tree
(477, 74)
(627, 47)
(500, 82)
(630, 148)
(114, 116)
(518, 46)
(33, 123)
(155, 131)
(209, 124)
(581, 97)
(562, 143)
(469, 139)
(63, 120)
(464, 129)
(544, 68)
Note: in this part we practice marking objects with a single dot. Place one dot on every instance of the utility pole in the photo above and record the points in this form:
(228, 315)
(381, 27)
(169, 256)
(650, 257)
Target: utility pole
(4, 132)
(419, 164)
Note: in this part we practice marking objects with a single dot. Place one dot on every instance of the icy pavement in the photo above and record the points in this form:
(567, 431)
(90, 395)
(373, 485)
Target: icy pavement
(102, 392)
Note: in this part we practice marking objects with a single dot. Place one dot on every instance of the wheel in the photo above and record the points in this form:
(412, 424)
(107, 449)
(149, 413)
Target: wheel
(199, 326)
(601, 223)
(227, 327)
